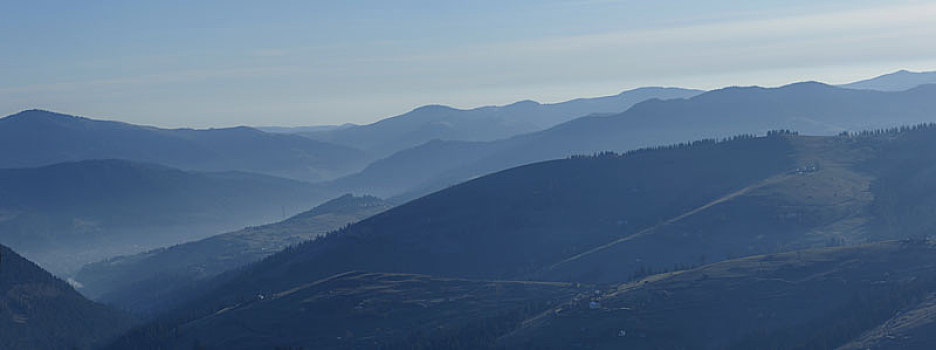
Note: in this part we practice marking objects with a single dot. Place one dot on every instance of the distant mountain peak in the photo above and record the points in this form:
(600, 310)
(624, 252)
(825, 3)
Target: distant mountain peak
(808, 86)
(36, 114)
(34, 111)
(902, 72)
(809, 83)
(900, 80)
(524, 103)
(434, 108)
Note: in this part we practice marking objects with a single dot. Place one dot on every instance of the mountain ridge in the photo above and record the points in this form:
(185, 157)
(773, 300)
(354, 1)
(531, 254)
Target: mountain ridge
(486, 123)
(811, 108)
(54, 138)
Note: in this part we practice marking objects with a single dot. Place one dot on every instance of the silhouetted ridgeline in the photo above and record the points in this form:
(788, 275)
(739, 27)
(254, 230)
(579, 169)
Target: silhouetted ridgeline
(434, 122)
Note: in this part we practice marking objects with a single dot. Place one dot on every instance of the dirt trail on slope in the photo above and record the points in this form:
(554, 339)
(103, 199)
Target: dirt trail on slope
(647, 231)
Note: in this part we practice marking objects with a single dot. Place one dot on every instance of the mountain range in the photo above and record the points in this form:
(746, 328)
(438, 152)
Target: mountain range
(810, 108)
(36, 138)
(435, 122)
(799, 218)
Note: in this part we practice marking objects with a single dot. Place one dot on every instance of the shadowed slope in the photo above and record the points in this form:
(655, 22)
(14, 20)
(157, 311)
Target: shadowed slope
(39, 311)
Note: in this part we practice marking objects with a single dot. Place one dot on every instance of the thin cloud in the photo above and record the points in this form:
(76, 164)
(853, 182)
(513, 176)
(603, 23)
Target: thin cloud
(174, 77)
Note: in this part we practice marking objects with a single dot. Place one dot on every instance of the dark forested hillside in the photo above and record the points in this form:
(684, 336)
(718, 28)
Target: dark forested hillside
(39, 311)
(36, 138)
(515, 222)
(146, 282)
(68, 214)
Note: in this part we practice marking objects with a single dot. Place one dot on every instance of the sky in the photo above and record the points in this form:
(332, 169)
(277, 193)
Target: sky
(219, 63)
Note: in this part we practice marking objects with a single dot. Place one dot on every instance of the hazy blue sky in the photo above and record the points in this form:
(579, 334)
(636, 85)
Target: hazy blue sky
(223, 63)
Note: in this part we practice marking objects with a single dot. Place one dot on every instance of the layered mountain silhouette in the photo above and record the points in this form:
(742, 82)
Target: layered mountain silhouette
(134, 282)
(436, 122)
(607, 229)
(68, 214)
(598, 221)
(897, 81)
(810, 108)
(39, 311)
(36, 137)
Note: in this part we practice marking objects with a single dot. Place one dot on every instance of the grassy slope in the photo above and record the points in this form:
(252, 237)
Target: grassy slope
(813, 299)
